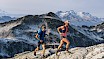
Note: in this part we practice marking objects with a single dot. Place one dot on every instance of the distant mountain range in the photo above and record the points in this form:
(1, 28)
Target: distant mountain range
(5, 17)
(79, 18)
(75, 18)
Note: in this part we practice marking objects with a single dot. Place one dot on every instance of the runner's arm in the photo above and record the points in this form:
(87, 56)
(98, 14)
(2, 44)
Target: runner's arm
(58, 29)
(37, 37)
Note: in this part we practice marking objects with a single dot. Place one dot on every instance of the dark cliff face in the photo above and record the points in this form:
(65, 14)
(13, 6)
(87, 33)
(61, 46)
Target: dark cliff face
(10, 48)
(23, 32)
(97, 30)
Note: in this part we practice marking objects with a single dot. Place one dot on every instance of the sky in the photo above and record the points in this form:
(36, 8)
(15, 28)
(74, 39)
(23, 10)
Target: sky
(94, 7)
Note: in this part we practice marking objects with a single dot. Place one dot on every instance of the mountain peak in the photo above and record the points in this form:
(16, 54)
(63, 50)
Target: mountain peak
(66, 12)
(79, 18)
(84, 14)
(72, 12)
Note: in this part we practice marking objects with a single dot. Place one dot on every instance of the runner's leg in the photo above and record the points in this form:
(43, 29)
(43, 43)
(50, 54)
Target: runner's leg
(37, 48)
(67, 43)
(43, 46)
(61, 43)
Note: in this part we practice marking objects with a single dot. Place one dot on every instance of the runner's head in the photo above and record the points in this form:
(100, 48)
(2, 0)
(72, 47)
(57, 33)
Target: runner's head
(66, 23)
(43, 27)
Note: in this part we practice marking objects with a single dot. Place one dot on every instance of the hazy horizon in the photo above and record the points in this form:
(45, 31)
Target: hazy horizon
(94, 7)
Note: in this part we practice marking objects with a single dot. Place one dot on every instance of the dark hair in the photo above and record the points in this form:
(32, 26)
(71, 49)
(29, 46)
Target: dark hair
(43, 25)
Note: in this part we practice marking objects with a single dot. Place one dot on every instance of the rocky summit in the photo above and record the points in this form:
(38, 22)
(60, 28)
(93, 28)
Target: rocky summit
(91, 52)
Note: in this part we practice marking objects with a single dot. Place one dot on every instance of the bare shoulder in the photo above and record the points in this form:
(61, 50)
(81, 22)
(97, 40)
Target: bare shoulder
(61, 26)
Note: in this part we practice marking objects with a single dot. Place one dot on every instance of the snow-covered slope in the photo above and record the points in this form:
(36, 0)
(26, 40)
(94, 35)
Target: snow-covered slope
(79, 18)
(18, 35)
